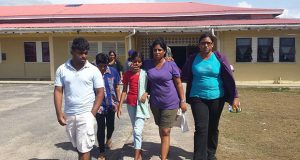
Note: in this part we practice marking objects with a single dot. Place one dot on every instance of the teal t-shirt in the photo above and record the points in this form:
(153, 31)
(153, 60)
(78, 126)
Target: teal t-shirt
(207, 82)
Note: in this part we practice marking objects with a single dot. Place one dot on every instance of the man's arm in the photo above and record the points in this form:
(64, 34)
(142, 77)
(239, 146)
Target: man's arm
(58, 94)
(98, 100)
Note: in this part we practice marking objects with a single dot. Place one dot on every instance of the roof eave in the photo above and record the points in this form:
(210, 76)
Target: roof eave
(148, 29)
(215, 13)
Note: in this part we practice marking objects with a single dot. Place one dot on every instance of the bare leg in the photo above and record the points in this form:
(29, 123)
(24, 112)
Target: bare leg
(137, 154)
(84, 156)
(165, 142)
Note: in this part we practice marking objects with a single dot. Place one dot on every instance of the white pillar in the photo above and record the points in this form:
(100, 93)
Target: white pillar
(51, 52)
(218, 41)
(0, 54)
(276, 50)
(254, 49)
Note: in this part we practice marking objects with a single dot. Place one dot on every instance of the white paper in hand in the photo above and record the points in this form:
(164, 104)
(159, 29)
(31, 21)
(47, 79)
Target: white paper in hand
(181, 121)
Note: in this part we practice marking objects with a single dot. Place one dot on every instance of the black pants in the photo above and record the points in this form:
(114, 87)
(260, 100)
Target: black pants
(108, 121)
(206, 116)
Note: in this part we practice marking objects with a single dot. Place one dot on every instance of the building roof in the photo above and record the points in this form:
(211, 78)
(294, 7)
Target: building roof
(175, 17)
(171, 26)
(159, 24)
(126, 9)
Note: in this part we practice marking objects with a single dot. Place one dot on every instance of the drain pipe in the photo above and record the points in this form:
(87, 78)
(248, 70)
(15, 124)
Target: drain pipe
(129, 38)
(212, 30)
(218, 43)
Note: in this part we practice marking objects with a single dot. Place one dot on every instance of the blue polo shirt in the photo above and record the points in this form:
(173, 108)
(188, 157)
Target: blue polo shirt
(111, 80)
(78, 87)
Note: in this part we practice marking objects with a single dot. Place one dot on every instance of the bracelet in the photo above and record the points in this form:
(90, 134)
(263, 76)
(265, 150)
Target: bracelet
(182, 101)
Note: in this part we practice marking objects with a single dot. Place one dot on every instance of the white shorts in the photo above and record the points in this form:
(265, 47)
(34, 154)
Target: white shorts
(81, 131)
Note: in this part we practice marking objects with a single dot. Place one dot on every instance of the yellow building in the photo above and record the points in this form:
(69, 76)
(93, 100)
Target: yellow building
(35, 40)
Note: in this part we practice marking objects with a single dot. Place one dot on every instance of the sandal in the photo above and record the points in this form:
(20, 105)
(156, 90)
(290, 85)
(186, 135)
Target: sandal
(101, 156)
(109, 144)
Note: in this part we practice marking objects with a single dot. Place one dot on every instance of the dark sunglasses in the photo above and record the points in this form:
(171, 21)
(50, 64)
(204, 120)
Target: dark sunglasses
(206, 43)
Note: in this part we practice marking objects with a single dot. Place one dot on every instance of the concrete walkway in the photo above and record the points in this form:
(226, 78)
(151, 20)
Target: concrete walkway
(242, 84)
(181, 143)
(29, 128)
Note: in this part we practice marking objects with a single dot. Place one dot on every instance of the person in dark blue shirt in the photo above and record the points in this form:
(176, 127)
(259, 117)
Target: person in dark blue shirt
(106, 113)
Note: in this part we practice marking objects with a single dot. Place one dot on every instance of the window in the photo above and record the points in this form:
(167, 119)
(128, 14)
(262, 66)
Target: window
(121, 48)
(104, 47)
(36, 51)
(108, 46)
(30, 51)
(118, 47)
(93, 49)
(287, 50)
(243, 49)
(45, 52)
(265, 50)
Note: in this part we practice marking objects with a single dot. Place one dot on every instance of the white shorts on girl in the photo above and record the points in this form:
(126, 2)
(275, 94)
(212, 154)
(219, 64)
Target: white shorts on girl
(81, 131)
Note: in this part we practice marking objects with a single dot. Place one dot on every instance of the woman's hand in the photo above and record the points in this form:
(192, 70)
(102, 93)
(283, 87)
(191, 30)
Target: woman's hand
(119, 112)
(144, 97)
(236, 104)
(169, 59)
(183, 106)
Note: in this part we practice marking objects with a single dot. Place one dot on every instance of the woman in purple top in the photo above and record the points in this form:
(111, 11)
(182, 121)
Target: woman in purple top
(166, 92)
(199, 72)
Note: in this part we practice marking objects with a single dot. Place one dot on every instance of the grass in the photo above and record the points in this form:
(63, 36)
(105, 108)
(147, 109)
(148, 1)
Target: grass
(267, 128)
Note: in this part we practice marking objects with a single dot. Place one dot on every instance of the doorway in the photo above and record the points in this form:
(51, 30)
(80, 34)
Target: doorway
(180, 54)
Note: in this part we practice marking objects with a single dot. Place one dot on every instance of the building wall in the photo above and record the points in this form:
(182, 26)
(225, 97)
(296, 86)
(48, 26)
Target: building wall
(261, 71)
(172, 39)
(15, 66)
(62, 42)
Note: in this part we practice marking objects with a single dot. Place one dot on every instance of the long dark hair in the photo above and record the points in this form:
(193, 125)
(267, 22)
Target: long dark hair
(205, 35)
(137, 55)
(158, 41)
(111, 51)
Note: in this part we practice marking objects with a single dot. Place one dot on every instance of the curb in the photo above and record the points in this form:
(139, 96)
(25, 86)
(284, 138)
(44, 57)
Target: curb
(27, 82)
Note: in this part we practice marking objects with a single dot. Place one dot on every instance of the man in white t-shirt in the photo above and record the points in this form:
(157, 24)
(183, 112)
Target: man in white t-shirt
(79, 81)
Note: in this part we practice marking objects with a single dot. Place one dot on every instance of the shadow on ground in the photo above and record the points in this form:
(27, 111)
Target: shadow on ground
(42, 159)
(151, 149)
(66, 146)
(111, 154)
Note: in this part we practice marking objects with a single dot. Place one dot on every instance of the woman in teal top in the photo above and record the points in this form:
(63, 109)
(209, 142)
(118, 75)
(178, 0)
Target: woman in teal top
(210, 84)
(207, 78)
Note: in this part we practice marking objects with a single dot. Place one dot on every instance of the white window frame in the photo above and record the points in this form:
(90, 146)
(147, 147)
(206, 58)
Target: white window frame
(266, 37)
(100, 46)
(38, 51)
(294, 46)
(251, 48)
(276, 47)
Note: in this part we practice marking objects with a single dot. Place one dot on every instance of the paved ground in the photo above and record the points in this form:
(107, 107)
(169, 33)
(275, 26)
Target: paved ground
(181, 143)
(29, 129)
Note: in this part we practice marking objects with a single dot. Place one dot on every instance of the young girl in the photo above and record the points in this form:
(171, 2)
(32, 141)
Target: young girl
(137, 103)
